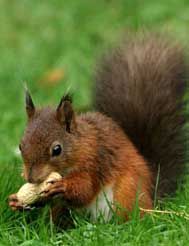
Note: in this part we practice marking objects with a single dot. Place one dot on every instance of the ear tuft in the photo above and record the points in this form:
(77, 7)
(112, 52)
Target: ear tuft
(30, 108)
(66, 97)
(65, 113)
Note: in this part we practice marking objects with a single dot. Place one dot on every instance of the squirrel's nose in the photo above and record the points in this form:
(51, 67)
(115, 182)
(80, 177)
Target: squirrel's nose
(30, 179)
(30, 175)
(33, 180)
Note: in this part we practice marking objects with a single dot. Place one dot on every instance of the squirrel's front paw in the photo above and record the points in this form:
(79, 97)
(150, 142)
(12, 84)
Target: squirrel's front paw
(14, 203)
(57, 188)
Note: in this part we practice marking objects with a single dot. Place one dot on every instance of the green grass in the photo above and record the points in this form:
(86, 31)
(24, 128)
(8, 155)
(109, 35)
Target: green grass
(37, 37)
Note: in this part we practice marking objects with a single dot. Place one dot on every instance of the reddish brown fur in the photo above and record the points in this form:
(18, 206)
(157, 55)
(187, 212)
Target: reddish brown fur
(119, 163)
(134, 183)
(96, 152)
(94, 160)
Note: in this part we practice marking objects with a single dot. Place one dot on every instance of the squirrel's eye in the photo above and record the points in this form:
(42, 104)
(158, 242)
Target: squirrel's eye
(56, 150)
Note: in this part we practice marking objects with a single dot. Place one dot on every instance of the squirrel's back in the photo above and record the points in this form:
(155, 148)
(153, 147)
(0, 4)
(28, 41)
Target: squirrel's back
(141, 85)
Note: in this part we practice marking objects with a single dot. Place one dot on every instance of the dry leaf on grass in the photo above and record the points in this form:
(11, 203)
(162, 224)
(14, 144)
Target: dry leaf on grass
(52, 77)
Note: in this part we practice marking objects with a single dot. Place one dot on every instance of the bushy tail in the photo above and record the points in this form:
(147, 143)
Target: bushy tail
(141, 85)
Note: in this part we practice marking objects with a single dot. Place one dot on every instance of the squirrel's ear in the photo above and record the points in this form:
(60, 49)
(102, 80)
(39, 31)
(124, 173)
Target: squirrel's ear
(30, 108)
(65, 113)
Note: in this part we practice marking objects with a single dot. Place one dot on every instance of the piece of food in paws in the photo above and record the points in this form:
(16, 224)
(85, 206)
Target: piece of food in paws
(29, 193)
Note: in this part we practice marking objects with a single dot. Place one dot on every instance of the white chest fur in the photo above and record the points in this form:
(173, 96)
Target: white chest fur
(102, 205)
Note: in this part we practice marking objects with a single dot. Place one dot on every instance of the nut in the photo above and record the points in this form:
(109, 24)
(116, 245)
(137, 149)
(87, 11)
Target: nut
(31, 193)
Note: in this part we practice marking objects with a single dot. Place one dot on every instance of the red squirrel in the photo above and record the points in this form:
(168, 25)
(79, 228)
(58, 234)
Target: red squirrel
(111, 158)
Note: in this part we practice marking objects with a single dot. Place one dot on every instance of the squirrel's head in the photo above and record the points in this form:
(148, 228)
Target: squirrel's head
(47, 144)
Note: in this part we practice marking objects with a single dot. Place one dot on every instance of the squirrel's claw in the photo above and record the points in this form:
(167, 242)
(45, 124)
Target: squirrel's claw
(56, 188)
(14, 203)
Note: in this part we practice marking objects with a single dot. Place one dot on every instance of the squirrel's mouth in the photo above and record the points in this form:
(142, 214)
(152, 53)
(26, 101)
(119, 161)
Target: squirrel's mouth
(38, 172)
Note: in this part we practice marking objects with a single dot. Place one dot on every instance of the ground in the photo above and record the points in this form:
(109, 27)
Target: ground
(53, 46)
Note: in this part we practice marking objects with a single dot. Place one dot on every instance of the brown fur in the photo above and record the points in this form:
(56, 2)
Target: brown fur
(141, 86)
(96, 152)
